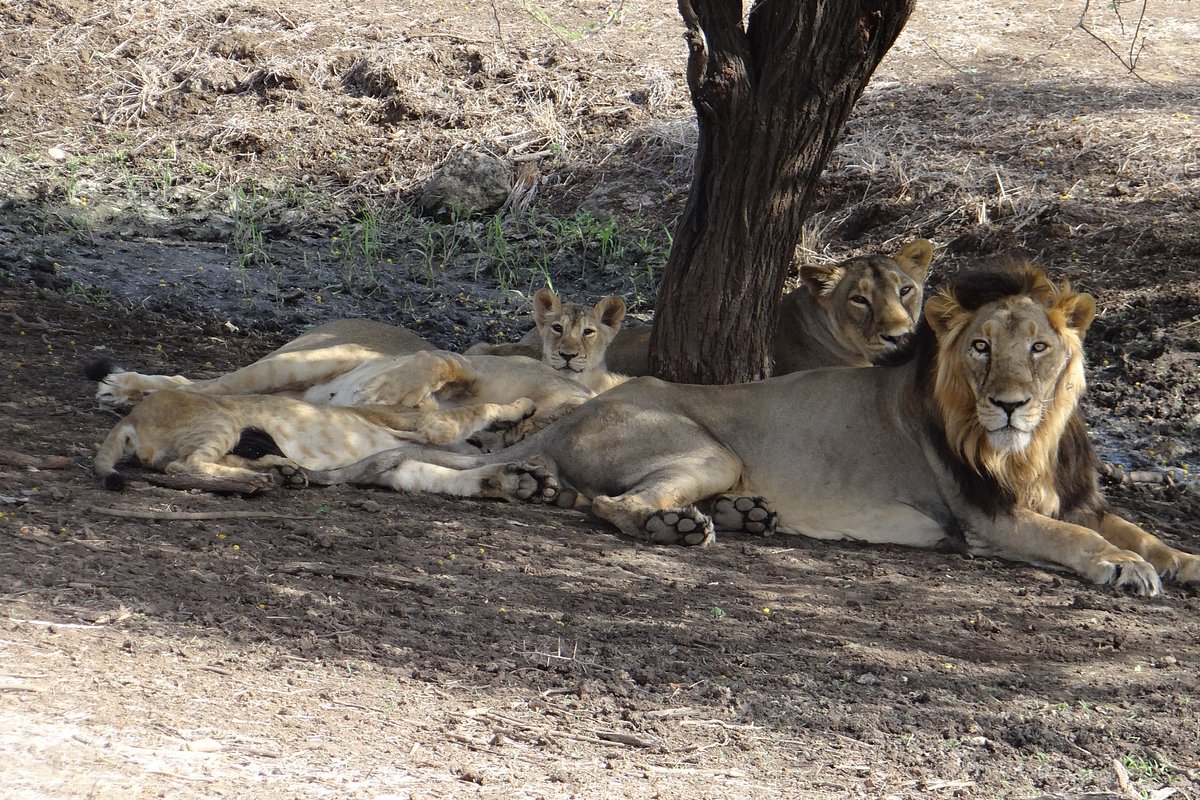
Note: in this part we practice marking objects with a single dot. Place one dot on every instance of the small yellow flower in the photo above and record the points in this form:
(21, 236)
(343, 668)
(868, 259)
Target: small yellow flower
(237, 547)
(766, 610)
(221, 536)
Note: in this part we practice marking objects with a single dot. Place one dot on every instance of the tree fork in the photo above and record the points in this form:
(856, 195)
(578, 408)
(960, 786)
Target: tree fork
(771, 99)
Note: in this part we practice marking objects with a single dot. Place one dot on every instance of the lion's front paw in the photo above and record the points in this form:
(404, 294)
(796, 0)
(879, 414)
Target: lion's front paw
(1126, 570)
(1186, 569)
(749, 514)
(686, 526)
(289, 476)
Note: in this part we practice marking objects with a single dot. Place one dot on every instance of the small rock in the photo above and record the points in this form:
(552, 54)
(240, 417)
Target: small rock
(867, 679)
(977, 741)
(58, 154)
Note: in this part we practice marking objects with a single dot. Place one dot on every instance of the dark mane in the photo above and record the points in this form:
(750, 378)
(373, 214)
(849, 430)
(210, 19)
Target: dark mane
(1005, 278)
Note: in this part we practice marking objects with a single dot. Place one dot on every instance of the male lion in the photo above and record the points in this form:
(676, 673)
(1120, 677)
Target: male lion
(976, 442)
(856, 313)
(573, 338)
(188, 433)
(352, 362)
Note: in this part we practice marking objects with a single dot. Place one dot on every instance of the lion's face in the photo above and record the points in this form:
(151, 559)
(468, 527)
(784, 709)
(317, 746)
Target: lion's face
(574, 336)
(1011, 366)
(874, 301)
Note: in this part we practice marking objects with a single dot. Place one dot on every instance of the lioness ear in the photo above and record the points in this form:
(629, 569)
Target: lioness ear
(545, 304)
(914, 259)
(610, 311)
(821, 279)
(1078, 310)
(942, 311)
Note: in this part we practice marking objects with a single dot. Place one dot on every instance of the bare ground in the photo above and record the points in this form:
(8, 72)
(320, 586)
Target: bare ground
(185, 187)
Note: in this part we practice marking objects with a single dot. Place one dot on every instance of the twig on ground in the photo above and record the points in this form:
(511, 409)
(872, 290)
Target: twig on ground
(10, 458)
(129, 513)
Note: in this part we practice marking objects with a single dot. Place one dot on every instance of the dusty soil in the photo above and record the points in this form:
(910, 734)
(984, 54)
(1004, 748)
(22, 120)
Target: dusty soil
(185, 188)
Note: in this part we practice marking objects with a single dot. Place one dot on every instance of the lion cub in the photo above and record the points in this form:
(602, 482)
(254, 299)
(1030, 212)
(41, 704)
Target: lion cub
(572, 338)
(188, 433)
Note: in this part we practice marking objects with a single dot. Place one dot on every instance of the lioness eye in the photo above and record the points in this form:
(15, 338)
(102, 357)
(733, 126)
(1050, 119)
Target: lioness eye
(858, 299)
(589, 331)
(556, 328)
(905, 291)
(980, 346)
(1039, 347)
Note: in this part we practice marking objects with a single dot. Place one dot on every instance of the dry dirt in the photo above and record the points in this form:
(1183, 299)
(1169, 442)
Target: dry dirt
(186, 186)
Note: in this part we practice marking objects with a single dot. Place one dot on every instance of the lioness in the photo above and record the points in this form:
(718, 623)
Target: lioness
(188, 433)
(977, 442)
(355, 362)
(572, 338)
(856, 313)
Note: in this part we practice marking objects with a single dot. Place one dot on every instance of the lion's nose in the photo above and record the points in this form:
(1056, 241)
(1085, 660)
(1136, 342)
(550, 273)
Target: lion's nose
(1006, 405)
(890, 338)
(566, 357)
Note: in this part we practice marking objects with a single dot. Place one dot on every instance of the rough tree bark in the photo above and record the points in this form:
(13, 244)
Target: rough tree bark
(771, 97)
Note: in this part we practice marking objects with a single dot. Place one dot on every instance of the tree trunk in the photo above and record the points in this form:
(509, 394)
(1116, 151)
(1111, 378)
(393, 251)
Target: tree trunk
(771, 99)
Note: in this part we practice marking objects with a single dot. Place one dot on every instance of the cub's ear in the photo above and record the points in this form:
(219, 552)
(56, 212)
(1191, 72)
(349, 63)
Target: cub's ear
(914, 259)
(1078, 309)
(611, 311)
(822, 279)
(545, 304)
(942, 312)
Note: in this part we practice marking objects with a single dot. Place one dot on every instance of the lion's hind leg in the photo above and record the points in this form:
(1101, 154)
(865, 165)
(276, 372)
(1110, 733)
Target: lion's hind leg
(453, 425)
(661, 507)
(415, 379)
(117, 390)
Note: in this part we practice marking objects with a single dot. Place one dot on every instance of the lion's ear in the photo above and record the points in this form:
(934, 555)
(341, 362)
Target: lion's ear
(1078, 309)
(914, 259)
(611, 311)
(545, 304)
(942, 311)
(821, 279)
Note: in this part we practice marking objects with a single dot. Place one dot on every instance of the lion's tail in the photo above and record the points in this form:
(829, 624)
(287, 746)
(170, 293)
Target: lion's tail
(120, 442)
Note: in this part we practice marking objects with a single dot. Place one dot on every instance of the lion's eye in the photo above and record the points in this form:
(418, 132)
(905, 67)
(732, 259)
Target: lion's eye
(981, 346)
(589, 331)
(859, 300)
(1039, 347)
(905, 291)
(557, 328)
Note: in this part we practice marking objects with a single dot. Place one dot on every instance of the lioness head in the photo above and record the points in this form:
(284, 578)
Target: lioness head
(575, 336)
(1010, 361)
(873, 301)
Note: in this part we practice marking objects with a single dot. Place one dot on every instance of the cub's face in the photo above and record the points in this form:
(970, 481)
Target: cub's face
(574, 336)
(1016, 361)
(874, 301)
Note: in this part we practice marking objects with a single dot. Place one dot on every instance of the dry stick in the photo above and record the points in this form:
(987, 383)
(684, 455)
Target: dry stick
(193, 515)
(10, 458)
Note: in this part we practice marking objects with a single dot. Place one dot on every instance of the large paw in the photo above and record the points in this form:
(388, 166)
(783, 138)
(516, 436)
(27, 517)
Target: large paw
(1126, 570)
(536, 484)
(685, 526)
(1185, 569)
(289, 476)
(749, 514)
(117, 392)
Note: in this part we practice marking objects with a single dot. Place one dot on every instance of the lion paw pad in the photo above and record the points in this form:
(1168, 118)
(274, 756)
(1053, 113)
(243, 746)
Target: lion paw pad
(749, 514)
(290, 477)
(536, 484)
(684, 526)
